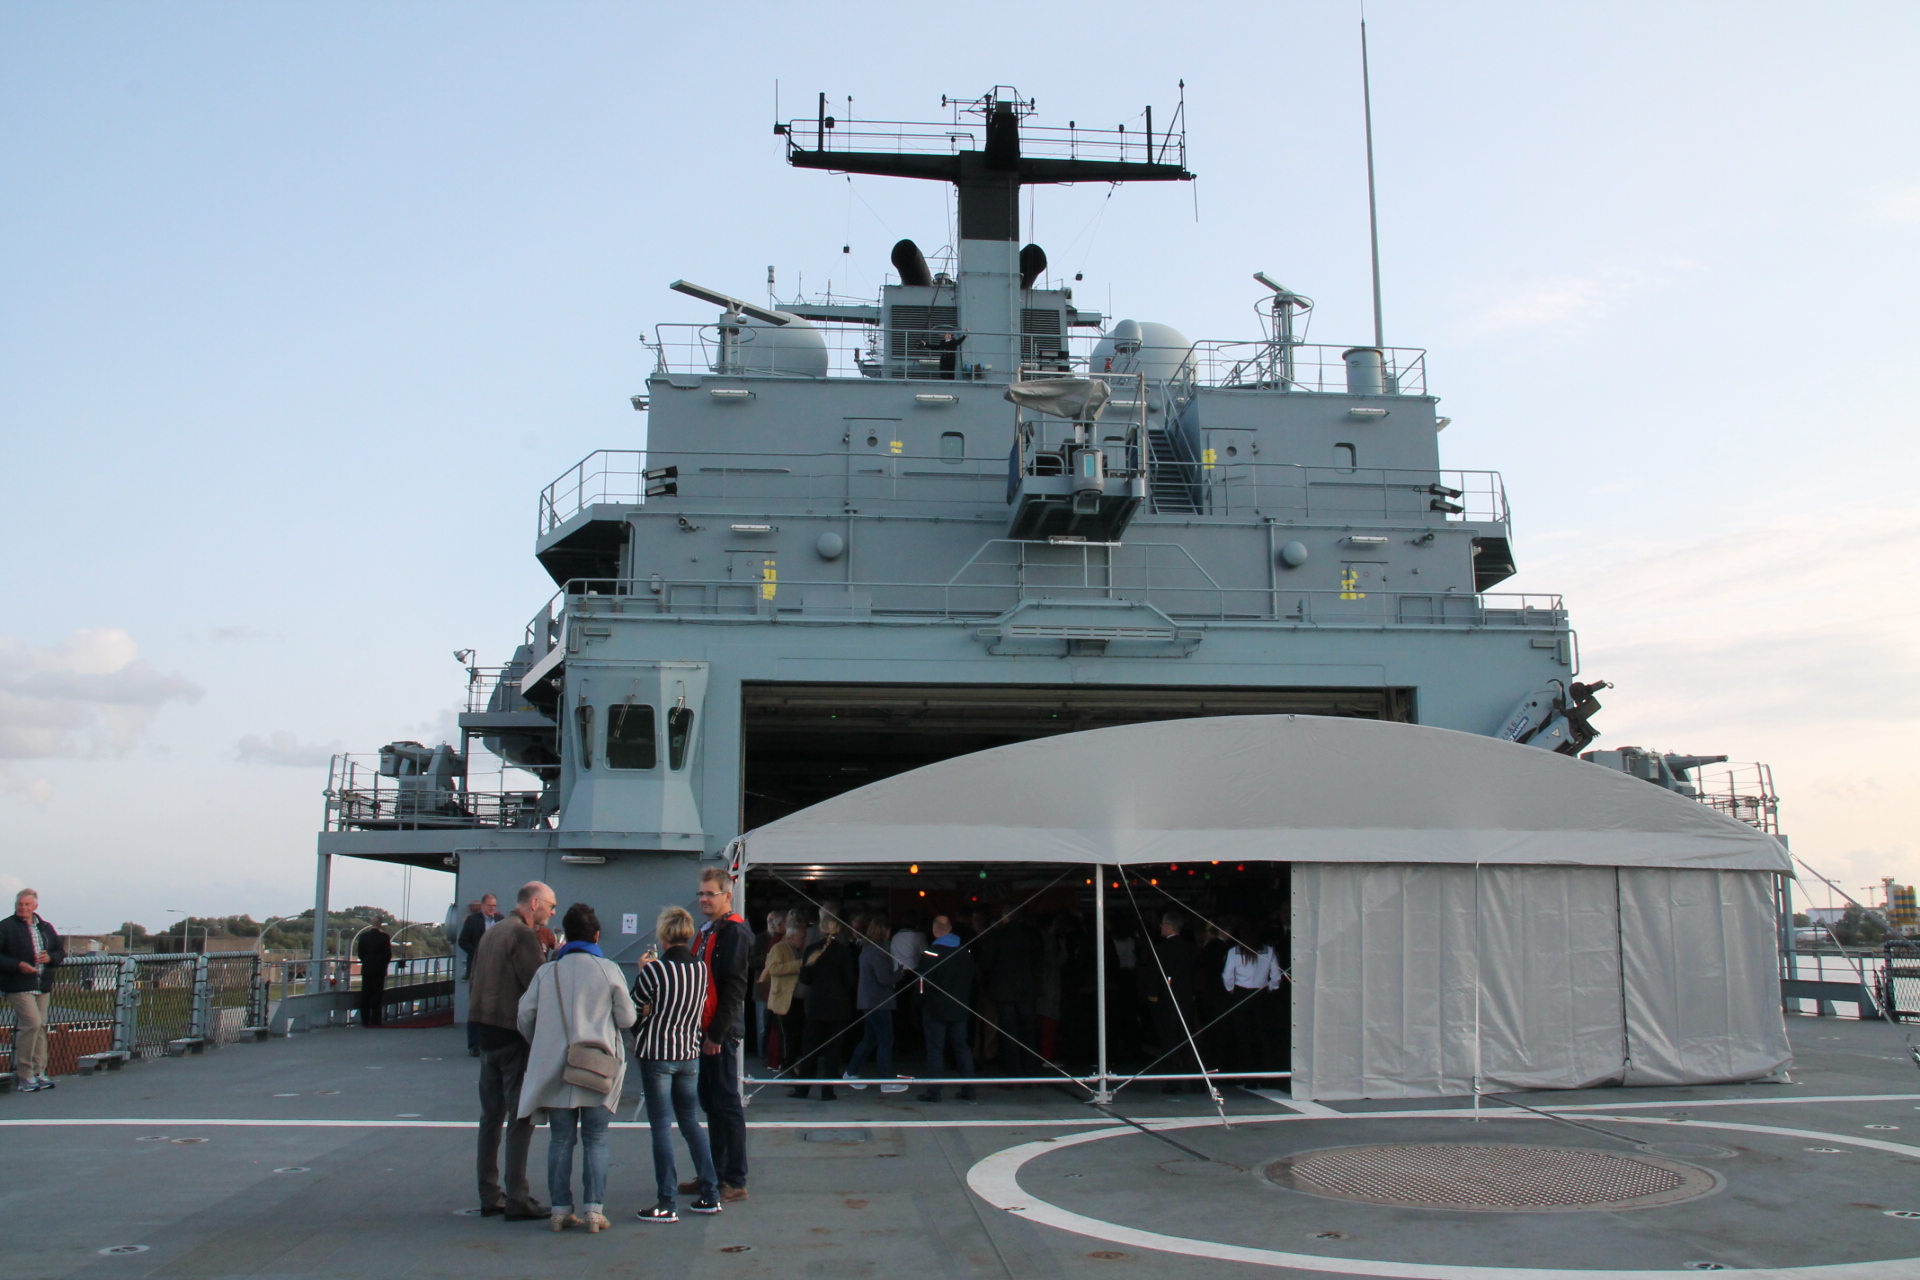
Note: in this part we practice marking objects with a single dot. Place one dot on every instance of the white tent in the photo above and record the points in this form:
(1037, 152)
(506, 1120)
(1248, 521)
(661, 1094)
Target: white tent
(1466, 912)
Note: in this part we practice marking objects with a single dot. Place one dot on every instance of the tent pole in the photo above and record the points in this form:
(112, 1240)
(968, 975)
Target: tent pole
(1101, 1093)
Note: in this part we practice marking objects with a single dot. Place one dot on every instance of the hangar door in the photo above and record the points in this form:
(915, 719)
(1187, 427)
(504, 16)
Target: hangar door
(805, 743)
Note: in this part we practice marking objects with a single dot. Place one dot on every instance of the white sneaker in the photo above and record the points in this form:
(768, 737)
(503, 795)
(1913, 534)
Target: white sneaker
(848, 1077)
(900, 1087)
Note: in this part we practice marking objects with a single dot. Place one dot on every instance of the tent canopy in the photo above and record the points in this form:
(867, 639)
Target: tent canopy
(1279, 788)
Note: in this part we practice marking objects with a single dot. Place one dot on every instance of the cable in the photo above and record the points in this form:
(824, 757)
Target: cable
(1178, 1011)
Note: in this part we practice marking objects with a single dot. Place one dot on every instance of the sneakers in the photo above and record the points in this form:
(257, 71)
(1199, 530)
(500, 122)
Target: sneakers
(33, 1084)
(900, 1086)
(659, 1213)
(704, 1206)
(848, 1077)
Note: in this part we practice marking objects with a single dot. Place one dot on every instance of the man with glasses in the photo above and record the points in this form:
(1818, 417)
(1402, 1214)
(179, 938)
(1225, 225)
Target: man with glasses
(725, 944)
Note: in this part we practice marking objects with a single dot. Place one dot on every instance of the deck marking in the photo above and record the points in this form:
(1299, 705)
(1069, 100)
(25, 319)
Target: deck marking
(75, 1122)
(996, 1179)
(1301, 1105)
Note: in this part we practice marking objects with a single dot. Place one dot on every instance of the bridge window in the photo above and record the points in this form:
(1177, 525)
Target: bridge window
(631, 737)
(953, 446)
(584, 717)
(679, 734)
(1345, 457)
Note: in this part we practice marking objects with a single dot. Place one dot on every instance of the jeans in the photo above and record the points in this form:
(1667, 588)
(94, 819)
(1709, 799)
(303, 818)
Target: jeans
(670, 1087)
(500, 1073)
(590, 1125)
(29, 1034)
(726, 1119)
(942, 1036)
(876, 1042)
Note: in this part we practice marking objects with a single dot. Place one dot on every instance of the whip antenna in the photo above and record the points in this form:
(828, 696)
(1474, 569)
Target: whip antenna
(1373, 210)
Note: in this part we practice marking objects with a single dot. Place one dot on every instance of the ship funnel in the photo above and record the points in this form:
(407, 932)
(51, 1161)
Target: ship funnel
(1033, 261)
(911, 264)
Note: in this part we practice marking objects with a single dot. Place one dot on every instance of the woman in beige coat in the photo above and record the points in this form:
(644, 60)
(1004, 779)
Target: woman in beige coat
(782, 973)
(579, 997)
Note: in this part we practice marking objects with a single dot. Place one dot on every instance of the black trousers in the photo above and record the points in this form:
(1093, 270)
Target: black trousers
(1019, 1037)
(826, 1051)
(373, 995)
(501, 1071)
(726, 1115)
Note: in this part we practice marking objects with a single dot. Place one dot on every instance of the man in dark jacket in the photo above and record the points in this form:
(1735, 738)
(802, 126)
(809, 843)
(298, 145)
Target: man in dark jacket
(30, 949)
(946, 987)
(374, 950)
(1169, 990)
(725, 943)
(1016, 955)
(485, 915)
(504, 966)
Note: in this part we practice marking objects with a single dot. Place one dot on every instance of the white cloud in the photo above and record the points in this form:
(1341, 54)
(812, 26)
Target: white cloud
(283, 749)
(1897, 205)
(90, 694)
(1563, 301)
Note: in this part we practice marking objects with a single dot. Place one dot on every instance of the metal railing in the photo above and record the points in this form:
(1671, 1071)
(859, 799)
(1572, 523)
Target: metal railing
(1182, 590)
(1267, 365)
(930, 355)
(142, 1004)
(920, 137)
(360, 797)
(1743, 791)
(850, 480)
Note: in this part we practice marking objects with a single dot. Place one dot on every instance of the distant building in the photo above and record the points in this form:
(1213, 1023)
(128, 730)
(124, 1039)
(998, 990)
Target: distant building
(1825, 915)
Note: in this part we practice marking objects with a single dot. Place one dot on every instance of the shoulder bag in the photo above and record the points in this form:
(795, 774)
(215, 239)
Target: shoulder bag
(591, 1064)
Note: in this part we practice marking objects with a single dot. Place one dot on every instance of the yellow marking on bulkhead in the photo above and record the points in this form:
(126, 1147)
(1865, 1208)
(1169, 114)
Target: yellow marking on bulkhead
(769, 580)
(1349, 580)
(1207, 459)
(895, 446)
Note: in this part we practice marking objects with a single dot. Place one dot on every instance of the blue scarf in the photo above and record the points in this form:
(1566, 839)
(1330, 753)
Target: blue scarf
(591, 948)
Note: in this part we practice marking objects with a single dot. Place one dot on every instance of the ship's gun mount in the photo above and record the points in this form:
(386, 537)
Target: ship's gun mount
(1070, 473)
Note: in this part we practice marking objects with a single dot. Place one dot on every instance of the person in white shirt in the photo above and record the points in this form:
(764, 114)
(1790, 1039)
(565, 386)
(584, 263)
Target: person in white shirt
(1252, 977)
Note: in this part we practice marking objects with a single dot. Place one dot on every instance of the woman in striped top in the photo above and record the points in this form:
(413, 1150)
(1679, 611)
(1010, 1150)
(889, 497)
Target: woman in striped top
(671, 992)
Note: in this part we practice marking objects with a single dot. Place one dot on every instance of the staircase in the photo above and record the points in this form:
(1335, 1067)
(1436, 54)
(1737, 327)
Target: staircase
(1170, 487)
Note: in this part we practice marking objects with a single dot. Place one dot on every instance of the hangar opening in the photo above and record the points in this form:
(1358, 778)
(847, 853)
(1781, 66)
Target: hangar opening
(808, 742)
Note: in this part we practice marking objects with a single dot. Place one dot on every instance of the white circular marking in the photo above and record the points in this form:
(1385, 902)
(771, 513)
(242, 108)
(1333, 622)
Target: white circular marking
(407, 1115)
(188, 1142)
(286, 1095)
(294, 1168)
(157, 1137)
(1883, 1126)
(1825, 1151)
(117, 1249)
(996, 1180)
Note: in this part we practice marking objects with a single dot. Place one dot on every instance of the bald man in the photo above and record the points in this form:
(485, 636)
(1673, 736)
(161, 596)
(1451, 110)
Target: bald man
(504, 964)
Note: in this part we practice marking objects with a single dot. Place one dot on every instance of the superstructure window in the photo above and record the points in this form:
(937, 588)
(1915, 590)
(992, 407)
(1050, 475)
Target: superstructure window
(583, 716)
(953, 446)
(631, 737)
(1345, 457)
(679, 734)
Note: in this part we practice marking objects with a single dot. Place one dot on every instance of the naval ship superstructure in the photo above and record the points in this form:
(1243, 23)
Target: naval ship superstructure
(860, 538)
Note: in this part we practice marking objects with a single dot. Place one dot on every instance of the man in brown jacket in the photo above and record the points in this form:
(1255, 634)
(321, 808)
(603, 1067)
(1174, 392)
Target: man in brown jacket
(504, 963)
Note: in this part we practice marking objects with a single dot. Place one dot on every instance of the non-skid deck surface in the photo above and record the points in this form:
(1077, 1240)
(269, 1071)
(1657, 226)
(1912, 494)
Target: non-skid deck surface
(349, 1153)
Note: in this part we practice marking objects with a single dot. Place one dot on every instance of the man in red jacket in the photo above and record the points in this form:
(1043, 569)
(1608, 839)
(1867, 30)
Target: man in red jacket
(725, 943)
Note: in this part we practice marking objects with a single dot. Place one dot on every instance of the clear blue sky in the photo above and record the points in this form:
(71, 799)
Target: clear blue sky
(303, 304)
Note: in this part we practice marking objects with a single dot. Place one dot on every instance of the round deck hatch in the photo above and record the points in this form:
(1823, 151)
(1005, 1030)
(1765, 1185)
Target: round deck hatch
(1488, 1177)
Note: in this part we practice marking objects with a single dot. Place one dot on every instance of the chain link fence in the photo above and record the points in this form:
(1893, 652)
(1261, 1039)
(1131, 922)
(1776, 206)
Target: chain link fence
(141, 1005)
